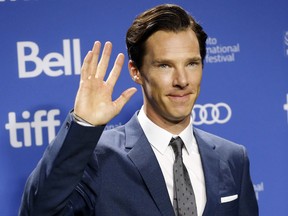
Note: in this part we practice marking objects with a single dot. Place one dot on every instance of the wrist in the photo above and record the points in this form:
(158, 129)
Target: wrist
(81, 121)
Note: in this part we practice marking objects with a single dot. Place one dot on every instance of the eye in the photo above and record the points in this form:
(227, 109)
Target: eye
(194, 63)
(163, 66)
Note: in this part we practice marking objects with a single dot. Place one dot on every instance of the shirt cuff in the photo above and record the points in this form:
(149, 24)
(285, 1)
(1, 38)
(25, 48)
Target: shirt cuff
(81, 121)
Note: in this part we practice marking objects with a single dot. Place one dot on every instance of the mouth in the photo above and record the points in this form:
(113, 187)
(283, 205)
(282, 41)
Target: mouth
(183, 97)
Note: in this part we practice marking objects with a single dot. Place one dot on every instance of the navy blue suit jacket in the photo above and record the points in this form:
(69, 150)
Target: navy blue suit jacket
(86, 171)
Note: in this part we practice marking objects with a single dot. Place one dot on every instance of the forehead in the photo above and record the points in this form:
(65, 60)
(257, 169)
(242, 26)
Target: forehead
(167, 43)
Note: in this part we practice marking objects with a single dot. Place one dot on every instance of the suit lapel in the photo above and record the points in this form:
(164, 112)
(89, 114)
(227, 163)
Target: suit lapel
(142, 155)
(210, 163)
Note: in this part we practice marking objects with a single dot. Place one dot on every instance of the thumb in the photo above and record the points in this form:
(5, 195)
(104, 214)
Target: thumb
(124, 98)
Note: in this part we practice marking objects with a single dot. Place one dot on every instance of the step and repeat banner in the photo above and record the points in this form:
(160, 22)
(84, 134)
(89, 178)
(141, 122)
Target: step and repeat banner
(244, 94)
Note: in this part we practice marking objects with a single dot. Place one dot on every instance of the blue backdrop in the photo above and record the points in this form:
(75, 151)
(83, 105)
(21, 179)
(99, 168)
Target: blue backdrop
(244, 94)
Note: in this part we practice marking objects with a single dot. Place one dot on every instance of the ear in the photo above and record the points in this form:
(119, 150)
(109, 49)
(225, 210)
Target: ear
(134, 72)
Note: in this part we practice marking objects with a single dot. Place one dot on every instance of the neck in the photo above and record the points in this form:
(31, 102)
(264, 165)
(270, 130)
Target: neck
(174, 126)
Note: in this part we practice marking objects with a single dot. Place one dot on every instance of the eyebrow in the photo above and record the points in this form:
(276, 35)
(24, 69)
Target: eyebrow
(193, 59)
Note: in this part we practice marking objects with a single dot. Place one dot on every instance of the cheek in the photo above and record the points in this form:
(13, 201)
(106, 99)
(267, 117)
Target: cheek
(154, 88)
(196, 80)
(158, 82)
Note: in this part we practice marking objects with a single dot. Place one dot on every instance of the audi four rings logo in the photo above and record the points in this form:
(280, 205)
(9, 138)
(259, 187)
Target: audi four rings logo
(209, 113)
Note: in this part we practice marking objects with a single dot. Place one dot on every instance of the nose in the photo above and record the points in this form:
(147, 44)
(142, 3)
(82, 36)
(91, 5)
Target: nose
(180, 78)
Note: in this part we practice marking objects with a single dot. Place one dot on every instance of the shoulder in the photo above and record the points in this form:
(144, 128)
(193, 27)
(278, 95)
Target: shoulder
(128, 132)
(117, 133)
(225, 148)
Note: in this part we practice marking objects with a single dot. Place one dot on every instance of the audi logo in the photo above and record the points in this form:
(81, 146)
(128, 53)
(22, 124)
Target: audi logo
(209, 113)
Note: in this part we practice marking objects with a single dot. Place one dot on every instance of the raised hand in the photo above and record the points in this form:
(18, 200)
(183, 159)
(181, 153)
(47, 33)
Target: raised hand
(93, 101)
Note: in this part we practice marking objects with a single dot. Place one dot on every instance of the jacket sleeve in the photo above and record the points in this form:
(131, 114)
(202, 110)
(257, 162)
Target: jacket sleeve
(247, 204)
(55, 186)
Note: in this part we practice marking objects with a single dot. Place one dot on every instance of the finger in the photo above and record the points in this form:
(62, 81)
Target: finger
(84, 70)
(115, 72)
(94, 62)
(124, 98)
(104, 61)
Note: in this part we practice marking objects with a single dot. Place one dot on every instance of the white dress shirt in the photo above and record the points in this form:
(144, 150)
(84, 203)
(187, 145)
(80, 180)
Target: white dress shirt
(159, 140)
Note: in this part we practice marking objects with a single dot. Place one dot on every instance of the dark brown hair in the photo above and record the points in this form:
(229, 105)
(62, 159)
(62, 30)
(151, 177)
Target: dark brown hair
(166, 17)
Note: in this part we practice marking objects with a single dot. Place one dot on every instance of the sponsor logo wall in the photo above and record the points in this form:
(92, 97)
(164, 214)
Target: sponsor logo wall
(244, 93)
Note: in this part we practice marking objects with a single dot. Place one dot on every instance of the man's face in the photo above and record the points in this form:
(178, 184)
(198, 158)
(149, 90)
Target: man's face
(171, 76)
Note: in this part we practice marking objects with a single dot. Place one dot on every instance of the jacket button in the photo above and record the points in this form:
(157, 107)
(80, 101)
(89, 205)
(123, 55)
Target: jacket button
(67, 125)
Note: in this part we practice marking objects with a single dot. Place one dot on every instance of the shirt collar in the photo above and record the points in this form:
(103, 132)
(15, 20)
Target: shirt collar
(160, 138)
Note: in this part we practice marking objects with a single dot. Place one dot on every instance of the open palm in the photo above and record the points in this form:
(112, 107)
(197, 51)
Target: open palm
(93, 101)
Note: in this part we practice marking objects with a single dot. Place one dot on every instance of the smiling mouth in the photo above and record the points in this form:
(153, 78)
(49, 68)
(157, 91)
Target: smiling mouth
(179, 97)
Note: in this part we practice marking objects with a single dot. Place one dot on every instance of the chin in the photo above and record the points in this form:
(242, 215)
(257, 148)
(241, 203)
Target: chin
(179, 117)
(182, 113)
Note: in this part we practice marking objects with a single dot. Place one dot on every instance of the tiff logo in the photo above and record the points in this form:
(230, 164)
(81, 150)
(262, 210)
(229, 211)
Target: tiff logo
(53, 64)
(41, 119)
(285, 106)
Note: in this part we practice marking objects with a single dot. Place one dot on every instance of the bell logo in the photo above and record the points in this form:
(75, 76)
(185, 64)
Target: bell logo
(54, 64)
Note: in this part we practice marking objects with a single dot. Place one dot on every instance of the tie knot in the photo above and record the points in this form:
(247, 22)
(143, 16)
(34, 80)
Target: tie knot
(177, 145)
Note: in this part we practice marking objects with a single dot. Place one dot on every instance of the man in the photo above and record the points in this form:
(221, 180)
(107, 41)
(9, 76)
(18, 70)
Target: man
(129, 170)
